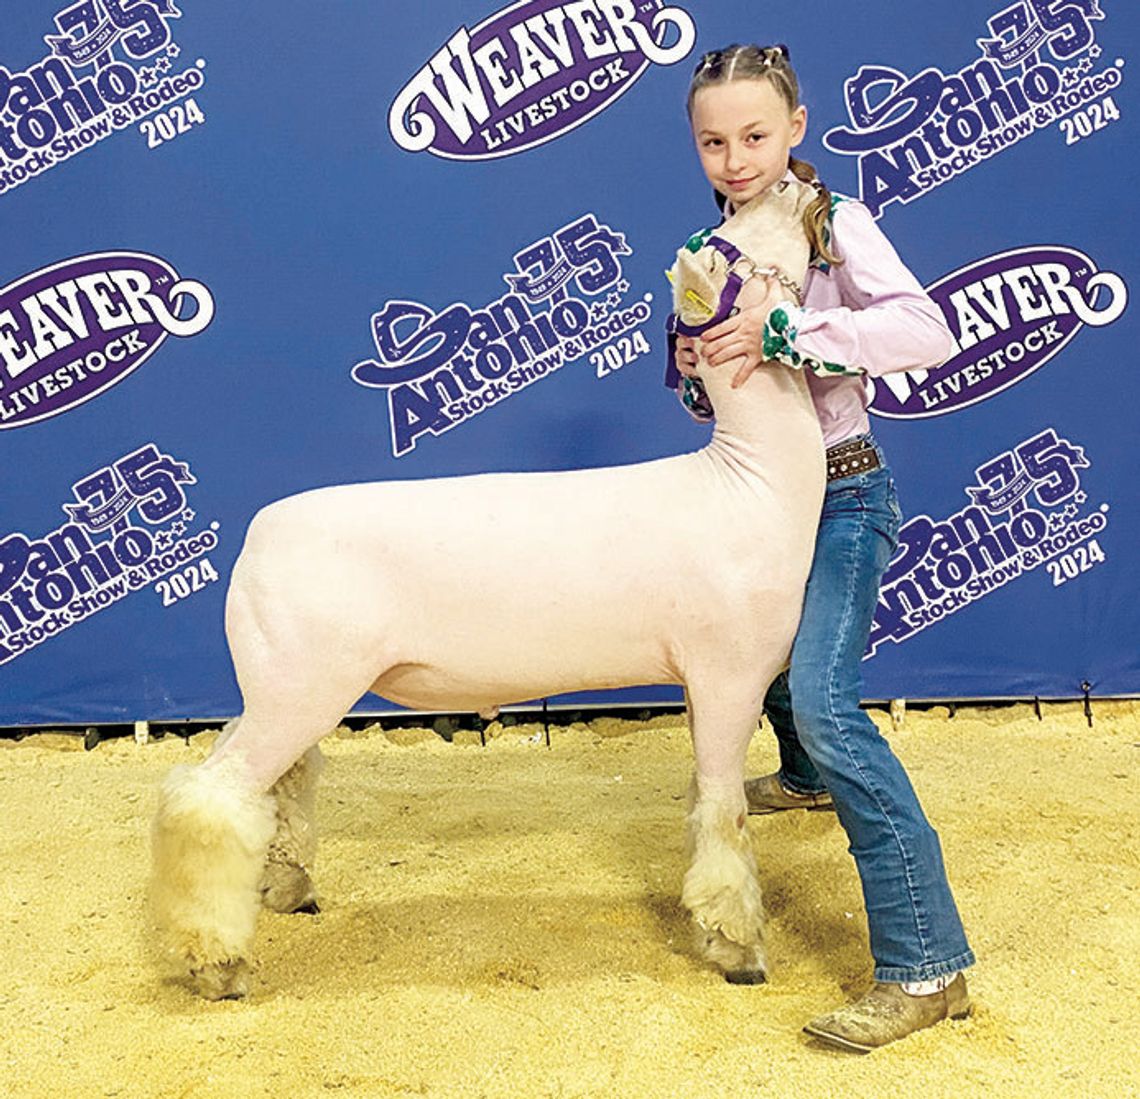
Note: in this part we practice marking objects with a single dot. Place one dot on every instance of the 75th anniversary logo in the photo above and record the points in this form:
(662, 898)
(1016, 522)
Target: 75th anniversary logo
(111, 65)
(1040, 67)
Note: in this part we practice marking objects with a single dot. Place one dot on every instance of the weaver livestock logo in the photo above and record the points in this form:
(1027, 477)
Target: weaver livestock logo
(531, 72)
(1010, 314)
(111, 66)
(566, 300)
(1040, 67)
(70, 331)
(1027, 514)
(128, 528)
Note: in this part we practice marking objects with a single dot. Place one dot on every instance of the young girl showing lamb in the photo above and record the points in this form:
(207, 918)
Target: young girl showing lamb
(862, 313)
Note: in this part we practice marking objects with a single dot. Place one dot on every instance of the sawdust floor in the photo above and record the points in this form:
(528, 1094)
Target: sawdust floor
(504, 922)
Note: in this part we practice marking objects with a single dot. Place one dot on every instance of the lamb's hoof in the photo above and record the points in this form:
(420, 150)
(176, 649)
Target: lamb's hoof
(746, 977)
(221, 980)
(741, 964)
(286, 887)
(310, 909)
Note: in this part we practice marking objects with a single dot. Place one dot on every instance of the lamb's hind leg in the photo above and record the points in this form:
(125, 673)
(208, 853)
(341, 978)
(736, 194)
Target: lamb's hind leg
(286, 882)
(208, 845)
(216, 822)
(721, 888)
(218, 827)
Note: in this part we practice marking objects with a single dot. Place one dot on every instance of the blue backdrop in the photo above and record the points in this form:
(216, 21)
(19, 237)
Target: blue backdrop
(229, 238)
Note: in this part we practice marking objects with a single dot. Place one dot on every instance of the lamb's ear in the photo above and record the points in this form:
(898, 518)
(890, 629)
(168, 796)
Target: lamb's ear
(687, 266)
(697, 285)
(674, 274)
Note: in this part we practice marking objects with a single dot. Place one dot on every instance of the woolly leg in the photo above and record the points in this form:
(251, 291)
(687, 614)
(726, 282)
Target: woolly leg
(209, 843)
(286, 885)
(215, 824)
(722, 888)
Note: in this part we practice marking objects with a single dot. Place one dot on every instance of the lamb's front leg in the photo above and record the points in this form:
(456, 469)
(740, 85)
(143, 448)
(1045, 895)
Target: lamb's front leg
(722, 888)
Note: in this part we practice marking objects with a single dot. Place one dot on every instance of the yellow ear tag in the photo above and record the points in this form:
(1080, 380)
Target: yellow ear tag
(692, 296)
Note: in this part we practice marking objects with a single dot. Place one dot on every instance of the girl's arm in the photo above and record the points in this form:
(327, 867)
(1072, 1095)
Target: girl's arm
(891, 323)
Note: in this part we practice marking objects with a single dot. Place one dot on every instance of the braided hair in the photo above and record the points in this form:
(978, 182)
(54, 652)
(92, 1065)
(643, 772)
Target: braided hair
(771, 63)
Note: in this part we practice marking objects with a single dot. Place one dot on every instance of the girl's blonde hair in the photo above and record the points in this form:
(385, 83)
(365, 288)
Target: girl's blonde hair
(737, 62)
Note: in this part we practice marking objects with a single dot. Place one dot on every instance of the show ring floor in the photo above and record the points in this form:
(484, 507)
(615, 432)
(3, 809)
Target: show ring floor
(504, 922)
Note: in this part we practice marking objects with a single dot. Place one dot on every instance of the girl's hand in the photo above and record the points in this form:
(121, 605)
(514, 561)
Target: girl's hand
(686, 356)
(740, 340)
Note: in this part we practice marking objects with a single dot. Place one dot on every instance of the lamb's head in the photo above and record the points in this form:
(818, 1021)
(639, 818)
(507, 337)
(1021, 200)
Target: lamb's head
(765, 236)
(699, 275)
(770, 228)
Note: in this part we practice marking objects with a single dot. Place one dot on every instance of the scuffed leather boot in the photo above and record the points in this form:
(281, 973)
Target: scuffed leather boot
(768, 795)
(886, 1014)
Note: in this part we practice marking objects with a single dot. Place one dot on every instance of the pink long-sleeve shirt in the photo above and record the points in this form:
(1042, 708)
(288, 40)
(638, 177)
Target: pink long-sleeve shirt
(866, 316)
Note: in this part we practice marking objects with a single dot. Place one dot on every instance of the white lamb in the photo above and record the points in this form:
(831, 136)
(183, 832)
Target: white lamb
(689, 570)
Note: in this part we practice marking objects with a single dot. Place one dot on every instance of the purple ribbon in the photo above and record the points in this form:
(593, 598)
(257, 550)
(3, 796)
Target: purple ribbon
(538, 289)
(1002, 499)
(81, 53)
(1015, 52)
(96, 519)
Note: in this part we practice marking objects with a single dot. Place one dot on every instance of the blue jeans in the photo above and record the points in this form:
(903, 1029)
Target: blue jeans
(827, 742)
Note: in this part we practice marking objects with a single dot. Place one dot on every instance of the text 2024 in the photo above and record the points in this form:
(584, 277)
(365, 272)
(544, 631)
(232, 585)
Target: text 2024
(1070, 565)
(617, 354)
(166, 125)
(1085, 122)
(193, 578)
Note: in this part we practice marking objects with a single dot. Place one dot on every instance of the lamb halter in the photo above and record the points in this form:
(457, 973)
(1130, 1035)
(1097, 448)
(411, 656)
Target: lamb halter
(726, 306)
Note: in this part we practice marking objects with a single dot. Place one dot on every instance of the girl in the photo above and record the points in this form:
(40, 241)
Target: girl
(863, 312)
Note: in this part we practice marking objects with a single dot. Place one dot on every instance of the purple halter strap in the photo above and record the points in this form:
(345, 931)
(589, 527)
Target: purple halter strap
(728, 295)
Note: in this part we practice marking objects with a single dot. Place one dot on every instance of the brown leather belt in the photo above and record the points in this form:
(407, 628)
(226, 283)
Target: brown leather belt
(846, 459)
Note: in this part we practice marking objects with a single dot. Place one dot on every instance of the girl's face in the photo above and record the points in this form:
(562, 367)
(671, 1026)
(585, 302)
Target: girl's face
(744, 132)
